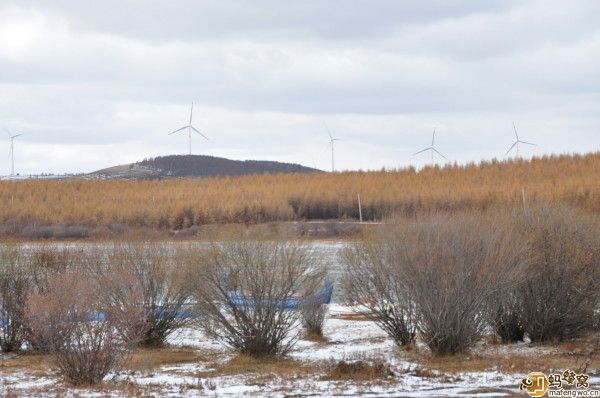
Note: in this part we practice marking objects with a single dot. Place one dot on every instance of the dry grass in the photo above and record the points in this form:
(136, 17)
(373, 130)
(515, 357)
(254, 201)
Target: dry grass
(513, 363)
(567, 355)
(183, 203)
(363, 370)
(38, 365)
(276, 366)
(261, 371)
(145, 359)
(359, 370)
(503, 392)
(316, 338)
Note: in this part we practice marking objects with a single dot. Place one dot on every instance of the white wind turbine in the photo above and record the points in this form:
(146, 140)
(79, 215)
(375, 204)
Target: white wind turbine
(517, 142)
(332, 141)
(433, 150)
(189, 128)
(11, 151)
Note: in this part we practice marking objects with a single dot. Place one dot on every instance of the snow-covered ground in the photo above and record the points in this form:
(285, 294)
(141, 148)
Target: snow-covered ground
(347, 340)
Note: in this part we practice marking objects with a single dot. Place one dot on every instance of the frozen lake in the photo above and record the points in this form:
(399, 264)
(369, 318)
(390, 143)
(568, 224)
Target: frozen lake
(328, 253)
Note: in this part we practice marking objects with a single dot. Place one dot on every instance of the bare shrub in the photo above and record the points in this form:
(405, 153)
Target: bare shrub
(434, 276)
(453, 267)
(504, 313)
(15, 286)
(22, 273)
(244, 289)
(84, 337)
(313, 316)
(373, 279)
(594, 352)
(560, 294)
(142, 275)
(43, 263)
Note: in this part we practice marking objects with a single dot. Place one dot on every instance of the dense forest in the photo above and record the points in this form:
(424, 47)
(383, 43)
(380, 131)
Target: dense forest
(169, 204)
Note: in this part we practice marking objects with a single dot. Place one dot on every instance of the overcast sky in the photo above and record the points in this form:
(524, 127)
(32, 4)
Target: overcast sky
(99, 83)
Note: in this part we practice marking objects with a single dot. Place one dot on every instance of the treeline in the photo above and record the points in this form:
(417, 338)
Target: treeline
(182, 203)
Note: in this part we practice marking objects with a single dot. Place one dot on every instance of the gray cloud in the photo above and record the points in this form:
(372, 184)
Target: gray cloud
(188, 20)
(97, 83)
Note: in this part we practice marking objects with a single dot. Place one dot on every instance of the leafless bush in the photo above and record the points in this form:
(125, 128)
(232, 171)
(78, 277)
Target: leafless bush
(453, 267)
(504, 314)
(84, 337)
(143, 276)
(593, 353)
(44, 263)
(243, 290)
(434, 276)
(313, 316)
(373, 280)
(15, 285)
(560, 294)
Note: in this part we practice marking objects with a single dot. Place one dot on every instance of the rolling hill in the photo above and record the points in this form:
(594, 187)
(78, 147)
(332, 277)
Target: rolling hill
(197, 166)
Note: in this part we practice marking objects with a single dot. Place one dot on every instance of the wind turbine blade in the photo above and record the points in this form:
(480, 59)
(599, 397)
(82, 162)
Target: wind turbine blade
(439, 153)
(191, 112)
(510, 149)
(528, 143)
(433, 139)
(196, 130)
(17, 135)
(328, 132)
(515, 129)
(7, 132)
(178, 130)
(424, 150)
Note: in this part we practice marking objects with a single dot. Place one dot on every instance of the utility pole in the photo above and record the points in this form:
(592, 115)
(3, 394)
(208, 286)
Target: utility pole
(359, 209)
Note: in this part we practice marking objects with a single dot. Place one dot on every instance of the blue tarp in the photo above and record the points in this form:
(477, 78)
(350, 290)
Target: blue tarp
(323, 297)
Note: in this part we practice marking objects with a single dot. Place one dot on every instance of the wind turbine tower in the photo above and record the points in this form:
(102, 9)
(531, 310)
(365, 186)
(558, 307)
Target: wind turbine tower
(190, 128)
(332, 141)
(517, 142)
(11, 151)
(432, 149)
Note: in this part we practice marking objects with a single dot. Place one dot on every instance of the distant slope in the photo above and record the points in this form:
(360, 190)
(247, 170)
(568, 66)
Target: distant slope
(197, 166)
